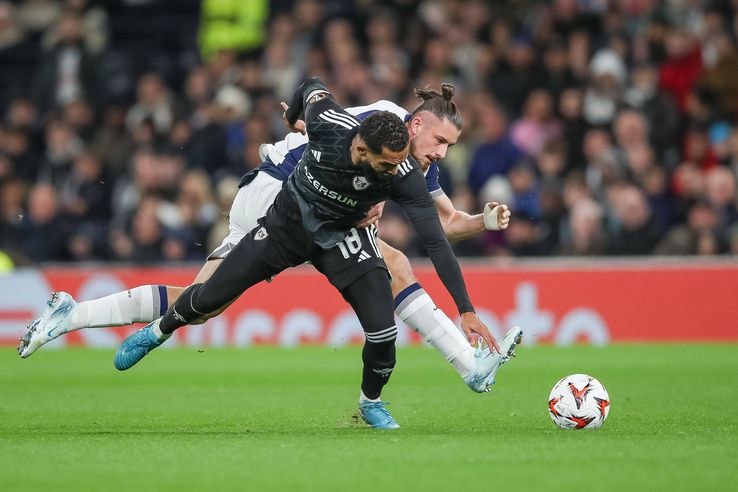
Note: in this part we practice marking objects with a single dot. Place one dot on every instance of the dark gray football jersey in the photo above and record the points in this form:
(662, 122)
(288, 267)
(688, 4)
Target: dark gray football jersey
(333, 194)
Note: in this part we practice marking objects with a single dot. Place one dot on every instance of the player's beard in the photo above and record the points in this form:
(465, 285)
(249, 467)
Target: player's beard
(412, 151)
(369, 173)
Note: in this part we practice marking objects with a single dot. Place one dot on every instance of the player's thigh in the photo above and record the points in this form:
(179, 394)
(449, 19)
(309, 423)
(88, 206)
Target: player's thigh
(353, 257)
(371, 298)
(399, 267)
(258, 256)
(253, 202)
(250, 204)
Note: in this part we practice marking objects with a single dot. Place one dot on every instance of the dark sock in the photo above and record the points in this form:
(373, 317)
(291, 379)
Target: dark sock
(379, 361)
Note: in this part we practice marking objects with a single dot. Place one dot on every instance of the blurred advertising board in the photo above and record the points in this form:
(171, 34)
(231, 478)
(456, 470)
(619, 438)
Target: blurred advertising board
(561, 303)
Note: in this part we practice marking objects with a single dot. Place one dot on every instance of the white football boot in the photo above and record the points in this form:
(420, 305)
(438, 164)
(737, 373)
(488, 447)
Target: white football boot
(55, 321)
(486, 363)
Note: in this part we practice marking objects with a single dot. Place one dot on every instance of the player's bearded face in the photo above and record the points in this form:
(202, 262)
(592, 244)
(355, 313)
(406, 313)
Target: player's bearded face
(378, 166)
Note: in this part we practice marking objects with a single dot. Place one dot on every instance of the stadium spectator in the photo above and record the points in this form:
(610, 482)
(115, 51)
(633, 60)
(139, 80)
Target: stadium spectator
(538, 124)
(154, 105)
(634, 232)
(604, 94)
(683, 239)
(85, 196)
(497, 152)
(44, 231)
(68, 71)
(12, 196)
(586, 232)
(598, 96)
(659, 108)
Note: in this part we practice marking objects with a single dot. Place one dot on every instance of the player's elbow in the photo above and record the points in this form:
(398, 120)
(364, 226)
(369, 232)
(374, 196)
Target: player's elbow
(449, 224)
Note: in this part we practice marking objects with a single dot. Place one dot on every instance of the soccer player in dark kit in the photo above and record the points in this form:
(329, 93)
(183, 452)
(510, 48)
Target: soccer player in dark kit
(346, 168)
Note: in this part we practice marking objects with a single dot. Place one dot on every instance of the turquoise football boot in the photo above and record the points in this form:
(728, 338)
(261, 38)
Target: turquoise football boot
(136, 346)
(375, 414)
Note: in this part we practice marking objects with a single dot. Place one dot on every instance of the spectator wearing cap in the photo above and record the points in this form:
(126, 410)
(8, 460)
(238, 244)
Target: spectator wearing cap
(603, 96)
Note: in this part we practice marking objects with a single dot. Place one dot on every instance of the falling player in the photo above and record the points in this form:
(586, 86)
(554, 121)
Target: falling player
(434, 126)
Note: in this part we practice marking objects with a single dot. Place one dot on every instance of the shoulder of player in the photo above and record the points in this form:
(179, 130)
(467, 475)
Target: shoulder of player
(337, 117)
(362, 112)
(408, 166)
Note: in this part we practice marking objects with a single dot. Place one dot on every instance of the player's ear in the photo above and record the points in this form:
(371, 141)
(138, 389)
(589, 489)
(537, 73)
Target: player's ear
(415, 124)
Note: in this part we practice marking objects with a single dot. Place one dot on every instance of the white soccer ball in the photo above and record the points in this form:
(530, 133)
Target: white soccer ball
(578, 402)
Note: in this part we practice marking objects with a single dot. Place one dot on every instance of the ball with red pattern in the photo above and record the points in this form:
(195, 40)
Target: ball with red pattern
(578, 401)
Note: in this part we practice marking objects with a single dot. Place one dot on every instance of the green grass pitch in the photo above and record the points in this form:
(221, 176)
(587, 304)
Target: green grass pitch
(268, 419)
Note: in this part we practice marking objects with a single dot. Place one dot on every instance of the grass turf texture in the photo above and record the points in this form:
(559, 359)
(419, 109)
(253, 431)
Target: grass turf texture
(280, 419)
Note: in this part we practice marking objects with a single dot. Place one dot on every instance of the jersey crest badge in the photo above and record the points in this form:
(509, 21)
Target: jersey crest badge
(260, 234)
(360, 183)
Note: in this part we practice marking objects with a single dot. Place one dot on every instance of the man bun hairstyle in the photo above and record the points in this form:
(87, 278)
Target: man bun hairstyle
(384, 129)
(439, 103)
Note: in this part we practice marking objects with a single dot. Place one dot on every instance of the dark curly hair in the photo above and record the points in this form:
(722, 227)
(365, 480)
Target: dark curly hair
(439, 103)
(384, 129)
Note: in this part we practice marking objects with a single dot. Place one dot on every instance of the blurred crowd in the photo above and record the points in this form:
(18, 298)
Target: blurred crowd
(610, 127)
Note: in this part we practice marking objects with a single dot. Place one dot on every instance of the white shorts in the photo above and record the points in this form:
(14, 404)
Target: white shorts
(251, 203)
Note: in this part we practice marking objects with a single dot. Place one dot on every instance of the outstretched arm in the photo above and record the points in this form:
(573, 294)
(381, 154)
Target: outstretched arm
(310, 91)
(460, 225)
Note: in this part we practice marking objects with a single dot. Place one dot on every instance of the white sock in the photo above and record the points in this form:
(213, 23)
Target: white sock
(140, 304)
(415, 307)
(157, 331)
(363, 398)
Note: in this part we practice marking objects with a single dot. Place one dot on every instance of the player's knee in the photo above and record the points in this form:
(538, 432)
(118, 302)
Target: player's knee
(173, 293)
(401, 271)
(191, 306)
